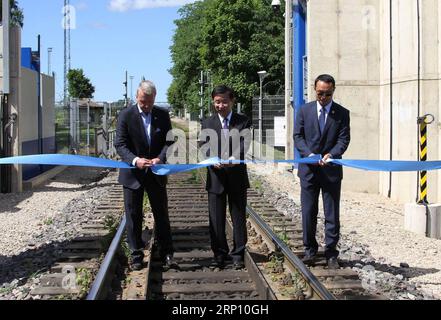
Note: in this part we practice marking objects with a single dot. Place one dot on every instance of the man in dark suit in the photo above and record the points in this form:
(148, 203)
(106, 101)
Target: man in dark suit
(228, 134)
(322, 128)
(141, 142)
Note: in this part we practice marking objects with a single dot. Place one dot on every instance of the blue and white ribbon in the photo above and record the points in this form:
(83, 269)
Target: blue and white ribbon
(169, 169)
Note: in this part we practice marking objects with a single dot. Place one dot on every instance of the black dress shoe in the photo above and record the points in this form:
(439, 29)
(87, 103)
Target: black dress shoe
(333, 263)
(169, 262)
(219, 261)
(309, 260)
(238, 265)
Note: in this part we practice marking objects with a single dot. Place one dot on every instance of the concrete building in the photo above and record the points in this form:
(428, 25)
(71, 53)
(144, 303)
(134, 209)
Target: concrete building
(385, 56)
(27, 112)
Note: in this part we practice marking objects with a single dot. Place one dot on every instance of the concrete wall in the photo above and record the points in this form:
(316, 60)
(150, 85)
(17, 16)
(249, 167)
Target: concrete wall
(29, 118)
(350, 39)
(48, 104)
(14, 100)
(29, 105)
(342, 43)
(405, 91)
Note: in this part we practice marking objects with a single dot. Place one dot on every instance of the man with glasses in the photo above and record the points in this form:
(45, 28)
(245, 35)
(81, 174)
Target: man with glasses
(322, 128)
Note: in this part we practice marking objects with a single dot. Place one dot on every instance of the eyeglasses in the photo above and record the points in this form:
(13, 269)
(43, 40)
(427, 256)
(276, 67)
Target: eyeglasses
(325, 94)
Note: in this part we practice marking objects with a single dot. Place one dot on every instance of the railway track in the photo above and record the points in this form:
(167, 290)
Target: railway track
(273, 267)
(77, 266)
(284, 235)
(197, 277)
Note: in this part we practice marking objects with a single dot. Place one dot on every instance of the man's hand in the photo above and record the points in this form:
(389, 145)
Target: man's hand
(324, 161)
(143, 164)
(223, 165)
(155, 161)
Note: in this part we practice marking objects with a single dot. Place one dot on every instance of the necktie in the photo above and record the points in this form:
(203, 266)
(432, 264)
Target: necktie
(147, 125)
(225, 127)
(322, 119)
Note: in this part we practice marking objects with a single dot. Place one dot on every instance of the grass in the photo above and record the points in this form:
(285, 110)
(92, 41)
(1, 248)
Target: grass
(62, 138)
(181, 127)
(257, 185)
(84, 280)
(48, 221)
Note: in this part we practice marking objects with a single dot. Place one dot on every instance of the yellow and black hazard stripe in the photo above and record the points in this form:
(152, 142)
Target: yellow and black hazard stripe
(423, 157)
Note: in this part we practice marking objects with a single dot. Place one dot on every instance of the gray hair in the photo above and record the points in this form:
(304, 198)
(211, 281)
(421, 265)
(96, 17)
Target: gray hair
(147, 87)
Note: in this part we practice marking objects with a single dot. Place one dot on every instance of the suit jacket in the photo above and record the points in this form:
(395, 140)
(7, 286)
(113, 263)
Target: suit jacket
(334, 140)
(131, 142)
(234, 178)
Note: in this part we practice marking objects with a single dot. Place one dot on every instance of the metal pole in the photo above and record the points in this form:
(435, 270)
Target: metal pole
(202, 96)
(5, 53)
(49, 51)
(131, 88)
(289, 112)
(40, 97)
(423, 122)
(88, 127)
(260, 119)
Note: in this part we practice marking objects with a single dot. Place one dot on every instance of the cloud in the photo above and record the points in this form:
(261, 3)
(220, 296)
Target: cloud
(126, 5)
(81, 6)
(99, 26)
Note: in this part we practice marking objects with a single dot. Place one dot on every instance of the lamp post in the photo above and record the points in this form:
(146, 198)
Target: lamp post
(131, 88)
(88, 127)
(262, 76)
(49, 51)
(289, 112)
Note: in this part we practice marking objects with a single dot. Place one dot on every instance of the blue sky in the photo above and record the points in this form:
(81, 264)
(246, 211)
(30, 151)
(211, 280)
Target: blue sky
(111, 36)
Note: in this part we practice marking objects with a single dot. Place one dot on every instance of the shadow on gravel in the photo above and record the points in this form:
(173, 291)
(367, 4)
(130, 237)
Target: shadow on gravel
(29, 264)
(84, 177)
(410, 272)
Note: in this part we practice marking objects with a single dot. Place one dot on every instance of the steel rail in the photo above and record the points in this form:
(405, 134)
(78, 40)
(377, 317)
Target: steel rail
(97, 288)
(311, 280)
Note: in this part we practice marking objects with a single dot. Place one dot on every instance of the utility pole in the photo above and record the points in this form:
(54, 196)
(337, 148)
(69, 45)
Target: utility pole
(201, 94)
(125, 83)
(289, 112)
(131, 88)
(67, 60)
(49, 51)
(5, 143)
(210, 88)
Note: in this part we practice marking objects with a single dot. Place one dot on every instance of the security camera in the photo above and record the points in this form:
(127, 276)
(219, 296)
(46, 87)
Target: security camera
(275, 4)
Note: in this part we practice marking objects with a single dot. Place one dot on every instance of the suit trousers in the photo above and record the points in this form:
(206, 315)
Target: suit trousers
(133, 201)
(217, 211)
(310, 192)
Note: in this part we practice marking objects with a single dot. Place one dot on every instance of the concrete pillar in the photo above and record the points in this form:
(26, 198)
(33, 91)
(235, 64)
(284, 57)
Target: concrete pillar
(421, 219)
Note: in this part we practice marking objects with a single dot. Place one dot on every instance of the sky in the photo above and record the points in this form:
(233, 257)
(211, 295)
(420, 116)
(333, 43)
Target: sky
(108, 37)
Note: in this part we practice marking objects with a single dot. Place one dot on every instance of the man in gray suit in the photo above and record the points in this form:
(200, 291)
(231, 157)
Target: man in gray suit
(322, 128)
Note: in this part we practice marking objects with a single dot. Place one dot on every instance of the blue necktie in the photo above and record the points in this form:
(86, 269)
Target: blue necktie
(322, 120)
(225, 127)
(147, 125)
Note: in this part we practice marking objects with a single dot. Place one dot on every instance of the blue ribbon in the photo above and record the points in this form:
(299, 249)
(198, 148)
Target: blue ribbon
(390, 166)
(65, 160)
(168, 169)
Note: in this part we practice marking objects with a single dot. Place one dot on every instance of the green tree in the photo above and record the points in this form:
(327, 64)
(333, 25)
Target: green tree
(17, 16)
(183, 91)
(233, 39)
(79, 85)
